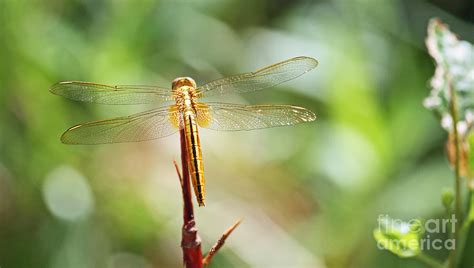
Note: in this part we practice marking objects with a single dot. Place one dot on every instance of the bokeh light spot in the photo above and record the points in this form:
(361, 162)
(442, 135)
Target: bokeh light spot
(67, 194)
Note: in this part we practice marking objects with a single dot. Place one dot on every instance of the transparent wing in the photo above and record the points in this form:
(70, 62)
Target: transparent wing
(105, 94)
(266, 77)
(143, 126)
(226, 116)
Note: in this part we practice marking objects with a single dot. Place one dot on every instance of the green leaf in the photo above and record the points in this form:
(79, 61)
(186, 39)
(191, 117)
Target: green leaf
(401, 238)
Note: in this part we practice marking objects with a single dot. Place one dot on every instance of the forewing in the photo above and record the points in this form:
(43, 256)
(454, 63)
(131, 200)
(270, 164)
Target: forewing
(263, 78)
(106, 94)
(231, 117)
(143, 126)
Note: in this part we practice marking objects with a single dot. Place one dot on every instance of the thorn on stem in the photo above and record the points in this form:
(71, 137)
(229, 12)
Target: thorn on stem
(179, 172)
(207, 260)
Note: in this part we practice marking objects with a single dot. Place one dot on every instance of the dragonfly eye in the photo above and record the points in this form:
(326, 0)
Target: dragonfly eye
(183, 81)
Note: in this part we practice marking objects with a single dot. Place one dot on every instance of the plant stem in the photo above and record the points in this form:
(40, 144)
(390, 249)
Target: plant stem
(464, 231)
(429, 260)
(190, 241)
(457, 171)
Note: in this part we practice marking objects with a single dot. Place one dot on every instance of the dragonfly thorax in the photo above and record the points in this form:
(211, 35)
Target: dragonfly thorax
(184, 89)
(185, 98)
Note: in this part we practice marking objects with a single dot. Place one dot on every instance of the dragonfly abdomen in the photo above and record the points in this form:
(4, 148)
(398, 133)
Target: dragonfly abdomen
(195, 157)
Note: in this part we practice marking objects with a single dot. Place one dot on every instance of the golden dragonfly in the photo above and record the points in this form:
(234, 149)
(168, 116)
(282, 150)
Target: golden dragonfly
(186, 112)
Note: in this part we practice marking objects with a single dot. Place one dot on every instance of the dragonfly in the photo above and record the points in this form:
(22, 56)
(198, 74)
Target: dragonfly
(185, 110)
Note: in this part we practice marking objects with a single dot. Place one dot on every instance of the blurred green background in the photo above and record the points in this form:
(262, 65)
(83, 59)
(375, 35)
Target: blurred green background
(310, 195)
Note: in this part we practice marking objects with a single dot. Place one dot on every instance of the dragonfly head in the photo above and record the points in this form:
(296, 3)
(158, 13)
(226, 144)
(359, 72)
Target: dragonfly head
(183, 81)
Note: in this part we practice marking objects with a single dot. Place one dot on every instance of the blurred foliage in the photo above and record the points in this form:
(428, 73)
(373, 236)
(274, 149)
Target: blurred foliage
(310, 195)
(447, 198)
(401, 238)
(454, 67)
(451, 98)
